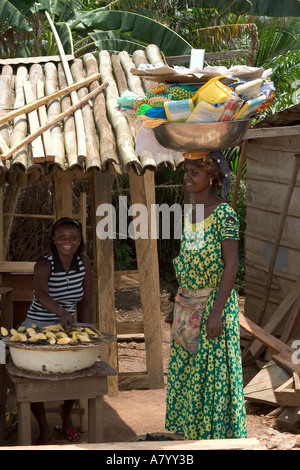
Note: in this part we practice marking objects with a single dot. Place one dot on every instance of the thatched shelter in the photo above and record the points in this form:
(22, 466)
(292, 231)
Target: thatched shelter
(92, 144)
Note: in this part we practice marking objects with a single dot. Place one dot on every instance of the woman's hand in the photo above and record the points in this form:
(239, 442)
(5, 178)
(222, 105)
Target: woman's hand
(214, 324)
(66, 319)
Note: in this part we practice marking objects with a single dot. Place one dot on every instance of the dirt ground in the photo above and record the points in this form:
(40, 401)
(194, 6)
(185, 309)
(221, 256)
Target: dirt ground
(139, 414)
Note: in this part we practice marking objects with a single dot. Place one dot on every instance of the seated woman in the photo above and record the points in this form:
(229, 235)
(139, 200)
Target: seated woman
(62, 285)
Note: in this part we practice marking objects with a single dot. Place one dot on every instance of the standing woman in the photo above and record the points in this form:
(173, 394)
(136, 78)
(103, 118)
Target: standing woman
(62, 285)
(205, 380)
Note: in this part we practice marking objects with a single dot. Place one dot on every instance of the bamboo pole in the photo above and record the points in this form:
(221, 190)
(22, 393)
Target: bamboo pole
(69, 122)
(37, 147)
(54, 121)
(92, 139)
(107, 144)
(45, 99)
(81, 141)
(53, 110)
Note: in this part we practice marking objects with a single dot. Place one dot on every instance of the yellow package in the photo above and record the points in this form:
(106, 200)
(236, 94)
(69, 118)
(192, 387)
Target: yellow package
(213, 92)
(205, 112)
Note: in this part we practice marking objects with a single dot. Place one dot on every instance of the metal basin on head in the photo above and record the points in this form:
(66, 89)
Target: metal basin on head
(193, 136)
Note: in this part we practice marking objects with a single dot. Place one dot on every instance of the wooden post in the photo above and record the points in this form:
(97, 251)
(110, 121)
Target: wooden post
(143, 192)
(104, 266)
(63, 195)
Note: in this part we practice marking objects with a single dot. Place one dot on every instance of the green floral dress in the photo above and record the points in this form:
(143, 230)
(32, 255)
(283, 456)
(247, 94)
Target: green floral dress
(205, 390)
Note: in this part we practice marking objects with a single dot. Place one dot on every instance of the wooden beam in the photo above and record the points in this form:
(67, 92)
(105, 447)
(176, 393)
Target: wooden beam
(63, 197)
(264, 132)
(266, 338)
(209, 56)
(256, 347)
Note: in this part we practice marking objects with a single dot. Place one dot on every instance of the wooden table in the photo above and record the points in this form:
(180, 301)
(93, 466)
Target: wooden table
(88, 384)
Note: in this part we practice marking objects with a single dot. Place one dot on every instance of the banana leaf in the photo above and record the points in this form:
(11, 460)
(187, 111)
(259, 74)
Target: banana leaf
(138, 27)
(114, 46)
(13, 16)
(272, 8)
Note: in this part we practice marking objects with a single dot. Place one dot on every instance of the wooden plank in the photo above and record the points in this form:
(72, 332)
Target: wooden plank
(63, 197)
(129, 327)
(179, 445)
(16, 266)
(284, 359)
(266, 338)
(256, 347)
(291, 324)
(262, 387)
(288, 397)
(209, 56)
(262, 133)
(289, 419)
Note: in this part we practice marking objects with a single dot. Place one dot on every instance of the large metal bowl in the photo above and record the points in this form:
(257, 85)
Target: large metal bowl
(193, 136)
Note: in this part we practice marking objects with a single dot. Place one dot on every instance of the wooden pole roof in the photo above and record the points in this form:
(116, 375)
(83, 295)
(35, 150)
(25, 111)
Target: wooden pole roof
(106, 133)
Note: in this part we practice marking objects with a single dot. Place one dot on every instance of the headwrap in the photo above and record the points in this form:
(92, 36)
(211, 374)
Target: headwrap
(219, 158)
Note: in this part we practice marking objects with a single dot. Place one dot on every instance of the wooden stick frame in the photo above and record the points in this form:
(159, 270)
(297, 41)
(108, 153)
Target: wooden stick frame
(54, 121)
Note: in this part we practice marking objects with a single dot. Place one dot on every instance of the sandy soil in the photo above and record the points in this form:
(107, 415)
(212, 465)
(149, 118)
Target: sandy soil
(133, 414)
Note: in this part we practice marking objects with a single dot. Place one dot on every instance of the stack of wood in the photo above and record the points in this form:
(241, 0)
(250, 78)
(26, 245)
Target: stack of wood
(278, 381)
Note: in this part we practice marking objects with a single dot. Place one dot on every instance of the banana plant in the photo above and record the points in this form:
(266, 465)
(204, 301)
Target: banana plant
(83, 30)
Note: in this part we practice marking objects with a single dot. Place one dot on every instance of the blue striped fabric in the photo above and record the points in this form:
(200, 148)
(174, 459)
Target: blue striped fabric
(65, 288)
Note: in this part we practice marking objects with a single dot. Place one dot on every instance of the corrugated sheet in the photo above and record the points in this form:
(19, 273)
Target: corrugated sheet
(108, 135)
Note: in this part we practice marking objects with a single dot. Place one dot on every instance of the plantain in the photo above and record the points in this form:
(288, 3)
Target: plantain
(83, 333)
(31, 332)
(84, 338)
(50, 334)
(57, 327)
(61, 334)
(19, 337)
(21, 329)
(4, 331)
(37, 337)
(63, 340)
(90, 332)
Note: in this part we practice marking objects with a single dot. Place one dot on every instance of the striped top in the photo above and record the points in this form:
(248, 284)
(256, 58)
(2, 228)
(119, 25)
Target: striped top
(65, 288)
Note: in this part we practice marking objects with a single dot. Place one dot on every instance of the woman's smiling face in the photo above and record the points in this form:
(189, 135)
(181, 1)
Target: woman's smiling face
(195, 178)
(67, 239)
